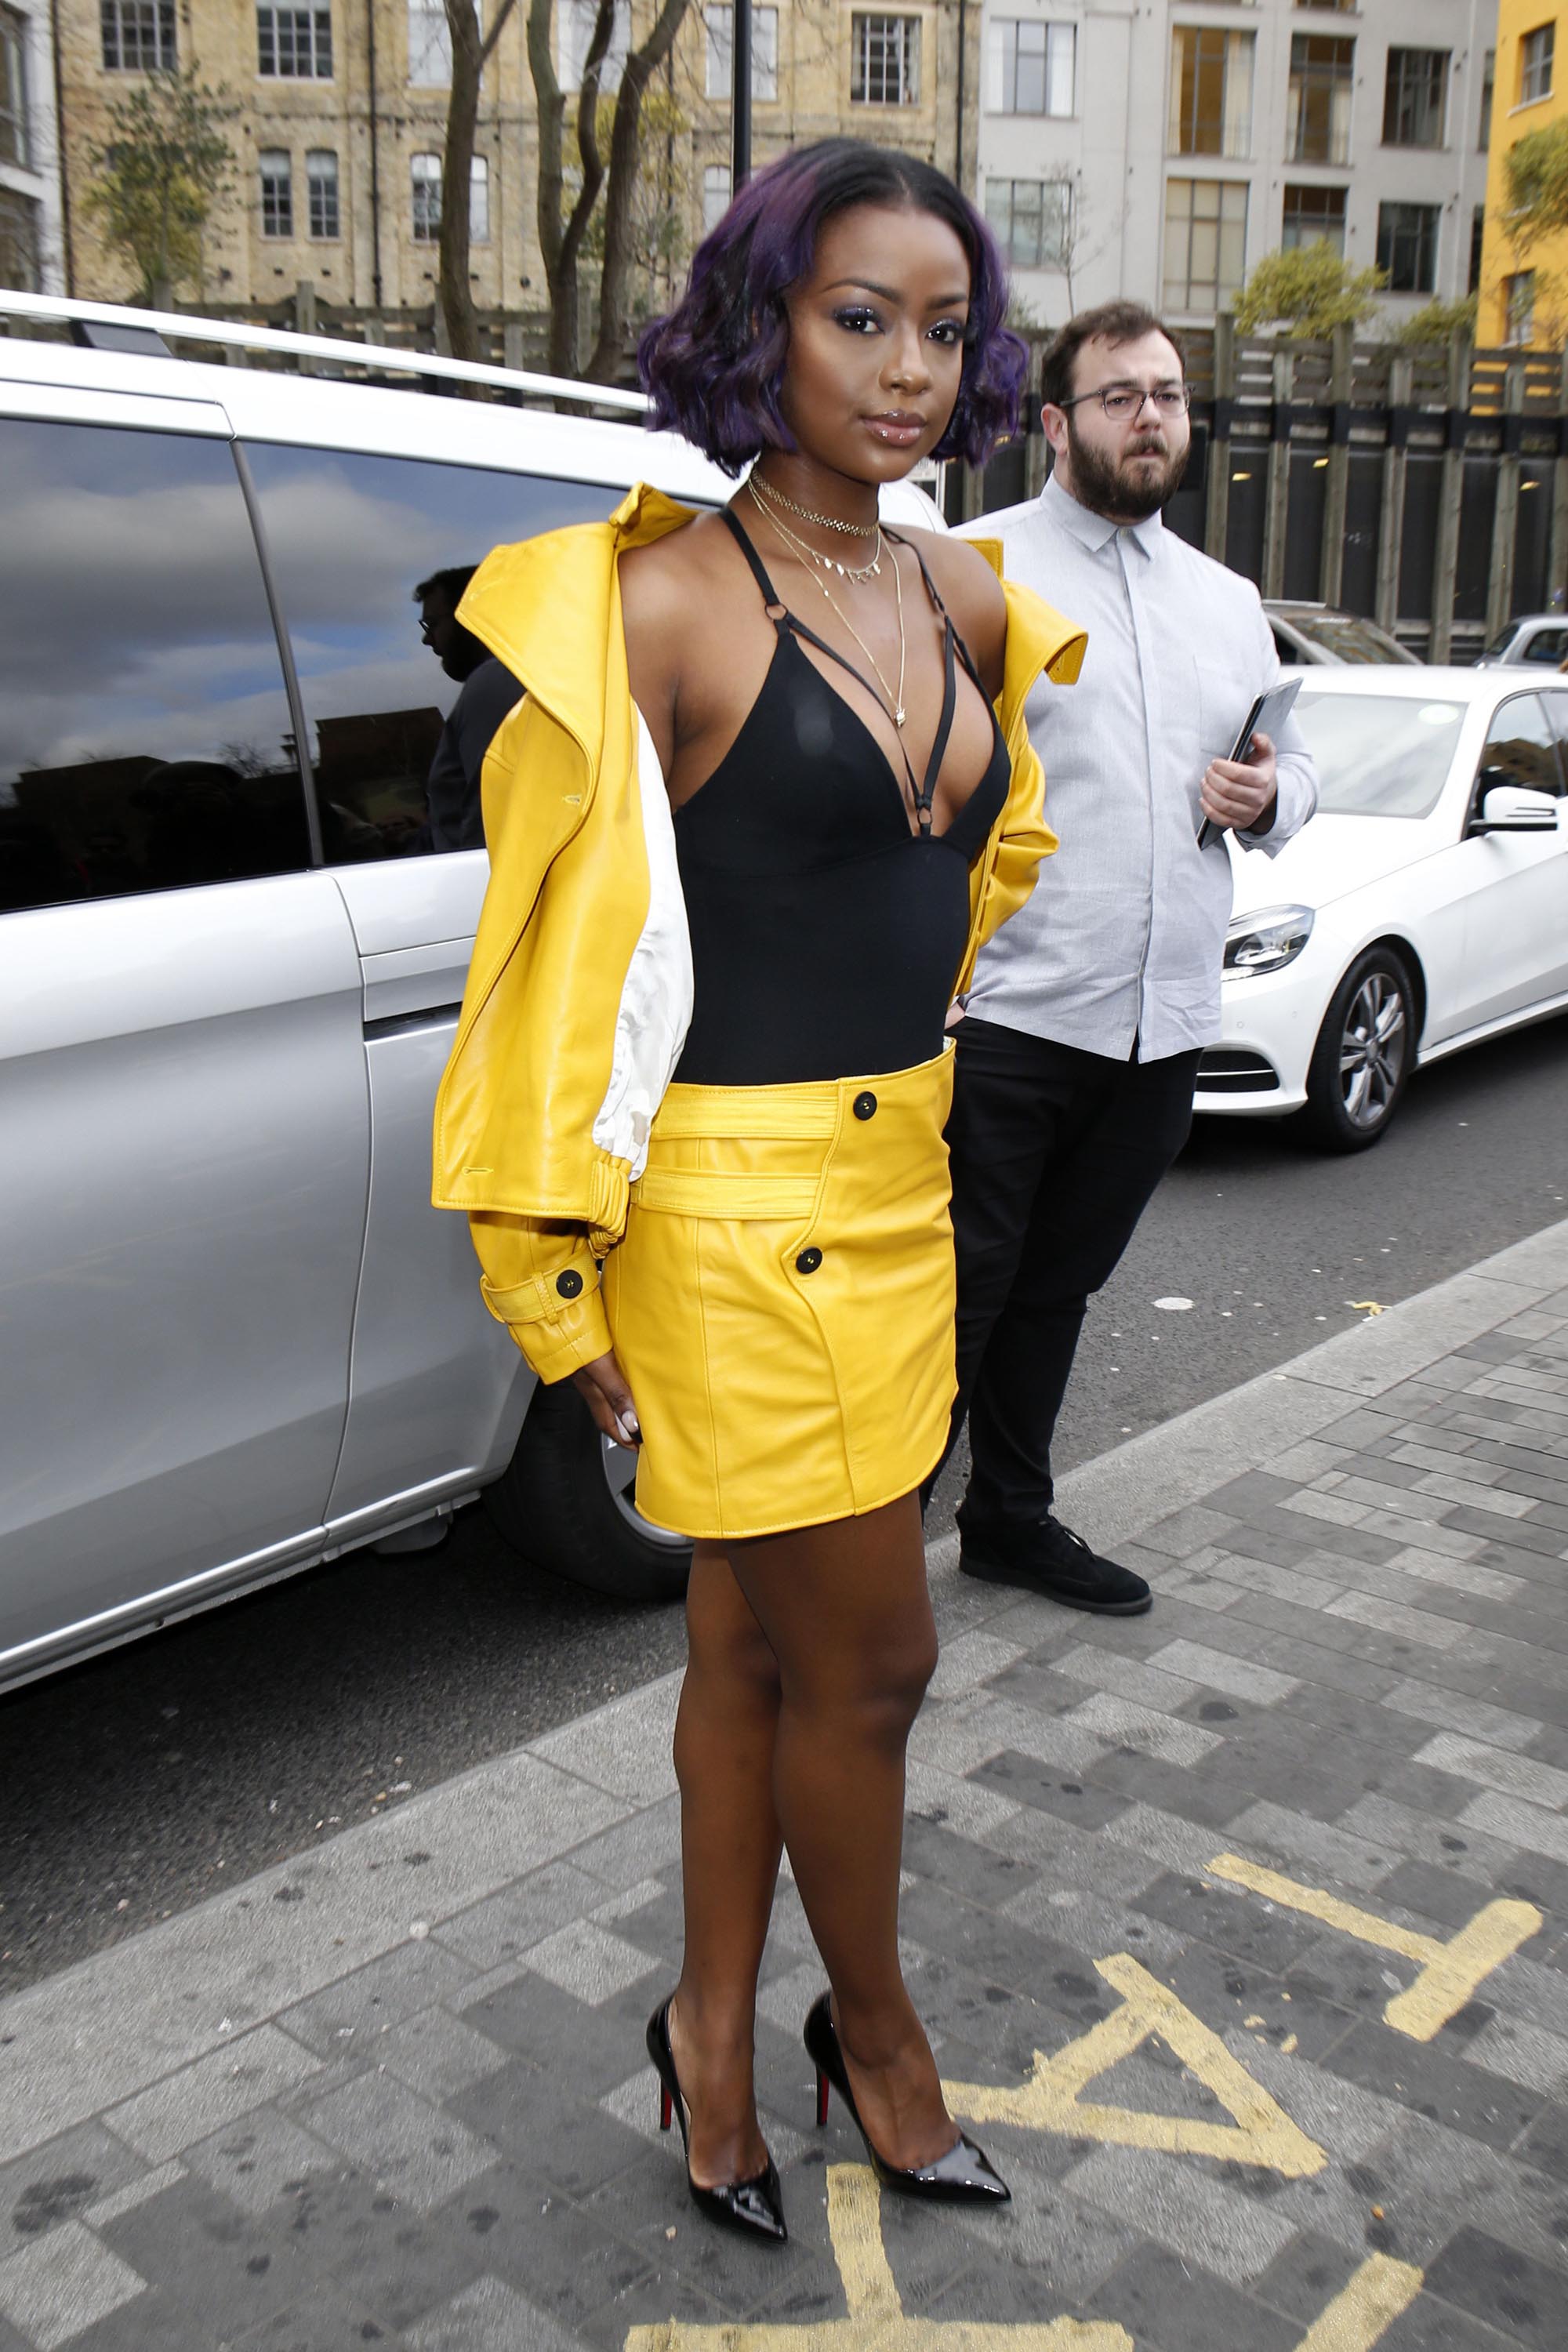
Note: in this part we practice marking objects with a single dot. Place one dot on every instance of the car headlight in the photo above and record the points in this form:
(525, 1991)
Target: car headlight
(1266, 942)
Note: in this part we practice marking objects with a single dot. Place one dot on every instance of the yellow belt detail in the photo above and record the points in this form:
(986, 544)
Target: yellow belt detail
(725, 1193)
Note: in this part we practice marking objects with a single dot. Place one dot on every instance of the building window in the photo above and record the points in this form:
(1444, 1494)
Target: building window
(1211, 92)
(1205, 243)
(425, 187)
(277, 170)
(576, 20)
(1343, 6)
(321, 189)
(1478, 241)
(1415, 96)
(715, 195)
(1407, 247)
(19, 241)
(1489, 82)
(1519, 293)
(1318, 114)
(1033, 221)
(721, 28)
(138, 35)
(426, 176)
(429, 46)
(885, 60)
(294, 44)
(1536, 54)
(13, 87)
(1033, 67)
(1313, 216)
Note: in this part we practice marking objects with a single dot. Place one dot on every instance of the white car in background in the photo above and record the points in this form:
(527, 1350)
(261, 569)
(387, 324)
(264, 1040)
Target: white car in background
(1423, 909)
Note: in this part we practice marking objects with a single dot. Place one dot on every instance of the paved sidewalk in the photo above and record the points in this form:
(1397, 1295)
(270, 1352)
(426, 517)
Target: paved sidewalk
(1241, 1929)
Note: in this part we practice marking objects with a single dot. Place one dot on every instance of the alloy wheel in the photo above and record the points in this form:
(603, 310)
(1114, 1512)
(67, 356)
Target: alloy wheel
(1373, 1050)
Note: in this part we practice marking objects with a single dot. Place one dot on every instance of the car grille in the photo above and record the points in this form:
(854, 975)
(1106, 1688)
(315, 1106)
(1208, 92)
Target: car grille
(1227, 1070)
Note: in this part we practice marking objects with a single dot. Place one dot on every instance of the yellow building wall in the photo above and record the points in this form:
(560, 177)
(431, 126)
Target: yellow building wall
(376, 262)
(1511, 118)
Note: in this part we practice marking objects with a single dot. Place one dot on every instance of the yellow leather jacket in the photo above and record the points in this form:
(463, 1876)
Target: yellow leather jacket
(567, 1035)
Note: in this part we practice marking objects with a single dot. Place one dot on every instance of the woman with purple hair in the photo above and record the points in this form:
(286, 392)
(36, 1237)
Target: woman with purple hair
(769, 790)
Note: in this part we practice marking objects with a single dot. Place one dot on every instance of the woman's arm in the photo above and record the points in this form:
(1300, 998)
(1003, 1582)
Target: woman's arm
(972, 595)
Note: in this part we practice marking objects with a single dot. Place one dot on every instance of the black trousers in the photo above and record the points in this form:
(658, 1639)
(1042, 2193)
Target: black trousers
(1056, 1154)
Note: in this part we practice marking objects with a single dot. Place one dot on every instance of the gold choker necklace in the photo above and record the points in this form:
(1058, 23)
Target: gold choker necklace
(856, 572)
(809, 514)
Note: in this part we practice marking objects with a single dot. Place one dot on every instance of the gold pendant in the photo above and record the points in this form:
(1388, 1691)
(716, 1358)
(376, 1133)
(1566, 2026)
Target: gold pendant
(899, 716)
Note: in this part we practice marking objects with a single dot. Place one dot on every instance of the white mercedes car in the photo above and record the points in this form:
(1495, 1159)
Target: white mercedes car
(1423, 909)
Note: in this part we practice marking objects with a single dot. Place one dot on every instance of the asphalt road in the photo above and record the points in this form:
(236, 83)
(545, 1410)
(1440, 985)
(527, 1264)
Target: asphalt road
(147, 1779)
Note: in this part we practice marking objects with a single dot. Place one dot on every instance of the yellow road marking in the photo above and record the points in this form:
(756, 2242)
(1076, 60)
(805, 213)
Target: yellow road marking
(1051, 2100)
(1379, 2292)
(1450, 1972)
(875, 2321)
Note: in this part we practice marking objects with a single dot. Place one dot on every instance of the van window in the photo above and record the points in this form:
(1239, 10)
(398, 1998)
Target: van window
(350, 538)
(145, 738)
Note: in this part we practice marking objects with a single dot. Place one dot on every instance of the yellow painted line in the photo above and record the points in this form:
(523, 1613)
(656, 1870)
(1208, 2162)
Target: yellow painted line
(1260, 2132)
(1449, 1973)
(876, 2320)
(1373, 2301)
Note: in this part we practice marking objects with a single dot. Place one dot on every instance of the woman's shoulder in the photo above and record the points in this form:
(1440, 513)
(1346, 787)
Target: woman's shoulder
(969, 588)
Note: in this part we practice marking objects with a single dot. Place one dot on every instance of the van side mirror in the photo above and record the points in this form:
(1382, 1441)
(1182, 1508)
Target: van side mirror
(1515, 808)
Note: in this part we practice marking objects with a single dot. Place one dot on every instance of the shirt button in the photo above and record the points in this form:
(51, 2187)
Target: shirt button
(864, 1106)
(808, 1261)
(569, 1284)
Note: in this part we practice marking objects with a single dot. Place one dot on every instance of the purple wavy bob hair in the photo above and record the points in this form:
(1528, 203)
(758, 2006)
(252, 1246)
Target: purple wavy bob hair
(715, 366)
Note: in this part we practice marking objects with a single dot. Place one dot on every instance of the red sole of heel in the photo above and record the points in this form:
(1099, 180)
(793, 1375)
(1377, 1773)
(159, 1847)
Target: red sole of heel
(821, 2100)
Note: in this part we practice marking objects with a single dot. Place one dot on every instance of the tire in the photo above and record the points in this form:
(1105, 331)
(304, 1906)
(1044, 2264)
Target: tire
(564, 1502)
(1363, 1056)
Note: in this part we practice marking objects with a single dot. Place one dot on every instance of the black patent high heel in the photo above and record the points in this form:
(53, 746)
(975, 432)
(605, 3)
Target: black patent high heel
(964, 2176)
(756, 2206)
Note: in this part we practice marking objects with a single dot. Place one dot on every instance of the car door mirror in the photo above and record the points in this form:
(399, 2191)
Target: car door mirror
(1514, 808)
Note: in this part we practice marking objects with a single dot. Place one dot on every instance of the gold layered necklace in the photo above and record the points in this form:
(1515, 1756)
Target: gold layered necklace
(770, 501)
(816, 565)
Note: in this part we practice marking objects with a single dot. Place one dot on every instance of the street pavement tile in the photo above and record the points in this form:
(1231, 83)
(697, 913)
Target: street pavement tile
(1465, 2098)
(56, 2288)
(1236, 1923)
(1430, 1892)
(1095, 1926)
(435, 2053)
(506, 1924)
(209, 2259)
(1065, 2248)
(519, 2229)
(489, 2316)
(1304, 2280)
(1495, 2283)
(1168, 2305)
(1210, 1796)
(155, 2321)
(245, 2073)
(359, 2008)
(1428, 2326)
(540, 2122)
(411, 2146)
(327, 2322)
(257, 2160)
(537, 2021)
(591, 1962)
(1184, 2203)
(1311, 1848)
(1049, 1790)
(1545, 2144)
(54, 2182)
(976, 1872)
(1423, 1837)
(1236, 2000)
(355, 2236)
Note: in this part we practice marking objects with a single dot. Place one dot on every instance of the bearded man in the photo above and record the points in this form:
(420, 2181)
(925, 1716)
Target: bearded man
(1078, 1054)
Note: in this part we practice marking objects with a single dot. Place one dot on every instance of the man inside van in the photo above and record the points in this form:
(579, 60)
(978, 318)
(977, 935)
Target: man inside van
(454, 819)
(1076, 1058)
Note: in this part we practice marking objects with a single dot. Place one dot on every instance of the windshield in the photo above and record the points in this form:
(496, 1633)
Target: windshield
(1378, 754)
(1501, 644)
(1348, 638)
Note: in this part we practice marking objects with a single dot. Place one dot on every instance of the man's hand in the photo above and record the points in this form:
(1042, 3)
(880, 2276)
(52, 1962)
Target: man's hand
(603, 1386)
(1241, 794)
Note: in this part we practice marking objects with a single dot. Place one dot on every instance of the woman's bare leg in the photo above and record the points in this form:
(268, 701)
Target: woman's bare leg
(846, 1613)
(730, 1844)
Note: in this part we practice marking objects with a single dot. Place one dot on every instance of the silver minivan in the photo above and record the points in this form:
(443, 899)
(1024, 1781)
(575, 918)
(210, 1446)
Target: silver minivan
(234, 1337)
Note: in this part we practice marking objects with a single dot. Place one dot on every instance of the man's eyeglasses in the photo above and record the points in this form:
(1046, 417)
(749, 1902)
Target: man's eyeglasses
(427, 627)
(1122, 401)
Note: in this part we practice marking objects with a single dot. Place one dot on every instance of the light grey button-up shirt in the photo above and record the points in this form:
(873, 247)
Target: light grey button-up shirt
(1122, 938)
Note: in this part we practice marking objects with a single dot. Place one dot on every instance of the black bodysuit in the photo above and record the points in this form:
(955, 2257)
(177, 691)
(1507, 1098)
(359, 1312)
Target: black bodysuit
(825, 936)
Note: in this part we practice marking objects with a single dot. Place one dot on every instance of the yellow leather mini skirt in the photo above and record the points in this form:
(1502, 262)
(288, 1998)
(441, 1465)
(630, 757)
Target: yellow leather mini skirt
(782, 1303)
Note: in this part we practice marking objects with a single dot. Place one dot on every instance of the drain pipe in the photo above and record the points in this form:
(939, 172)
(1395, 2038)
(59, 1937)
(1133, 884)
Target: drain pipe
(375, 160)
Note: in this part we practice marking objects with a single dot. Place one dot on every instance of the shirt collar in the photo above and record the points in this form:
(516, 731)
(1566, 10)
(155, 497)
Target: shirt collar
(1094, 532)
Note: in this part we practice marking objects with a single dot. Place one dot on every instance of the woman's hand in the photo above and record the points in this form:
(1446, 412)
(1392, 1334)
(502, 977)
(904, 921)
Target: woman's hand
(603, 1386)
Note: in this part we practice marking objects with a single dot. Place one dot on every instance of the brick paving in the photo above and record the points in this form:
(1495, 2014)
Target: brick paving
(393, 2093)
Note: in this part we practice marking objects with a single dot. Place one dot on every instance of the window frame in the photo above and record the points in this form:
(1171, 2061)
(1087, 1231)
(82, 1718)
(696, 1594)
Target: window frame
(1008, 60)
(425, 225)
(866, 24)
(157, 17)
(1334, 78)
(316, 182)
(718, 53)
(1185, 120)
(1410, 89)
(1390, 236)
(272, 17)
(1296, 189)
(1539, 68)
(1224, 286)
(275, 179)
(15, 110)
(1007, 232)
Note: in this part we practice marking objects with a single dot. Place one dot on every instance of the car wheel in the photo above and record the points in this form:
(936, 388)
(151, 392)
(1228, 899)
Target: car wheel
(565, 1501)
(1364, 1055)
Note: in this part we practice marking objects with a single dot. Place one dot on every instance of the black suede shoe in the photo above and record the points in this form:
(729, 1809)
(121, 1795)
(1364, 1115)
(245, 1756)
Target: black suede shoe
(1046, 1557)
